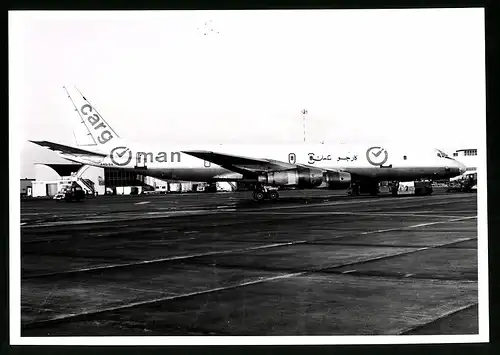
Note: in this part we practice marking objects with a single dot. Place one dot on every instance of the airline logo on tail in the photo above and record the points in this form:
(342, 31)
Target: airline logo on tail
(93, 125)
(100, 133)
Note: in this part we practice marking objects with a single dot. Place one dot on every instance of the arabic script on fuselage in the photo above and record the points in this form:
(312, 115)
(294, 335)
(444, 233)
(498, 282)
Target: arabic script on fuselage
(316, 158)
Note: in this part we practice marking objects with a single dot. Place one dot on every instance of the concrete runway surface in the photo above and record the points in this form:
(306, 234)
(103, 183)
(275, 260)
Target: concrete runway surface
(312, 263)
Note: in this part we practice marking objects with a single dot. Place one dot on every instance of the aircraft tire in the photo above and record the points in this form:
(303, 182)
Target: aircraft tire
(259, 195)
(273, 195)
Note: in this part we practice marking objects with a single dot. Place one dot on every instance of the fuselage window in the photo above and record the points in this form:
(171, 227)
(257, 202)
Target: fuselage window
(404, 157)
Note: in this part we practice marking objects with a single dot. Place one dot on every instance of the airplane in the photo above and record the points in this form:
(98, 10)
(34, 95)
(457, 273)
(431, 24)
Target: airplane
(268, 168)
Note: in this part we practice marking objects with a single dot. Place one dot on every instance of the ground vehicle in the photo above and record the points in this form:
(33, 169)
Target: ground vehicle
(74, 192)
(418, 188)
(423, 188)
(466, 182)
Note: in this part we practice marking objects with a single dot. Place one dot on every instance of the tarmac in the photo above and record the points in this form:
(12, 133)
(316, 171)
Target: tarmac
(312, 263)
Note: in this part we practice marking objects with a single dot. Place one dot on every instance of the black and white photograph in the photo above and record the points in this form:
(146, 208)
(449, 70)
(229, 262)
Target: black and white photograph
(254, 177)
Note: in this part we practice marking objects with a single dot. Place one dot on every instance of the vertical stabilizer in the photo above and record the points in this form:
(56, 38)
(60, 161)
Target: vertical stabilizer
(91, 130)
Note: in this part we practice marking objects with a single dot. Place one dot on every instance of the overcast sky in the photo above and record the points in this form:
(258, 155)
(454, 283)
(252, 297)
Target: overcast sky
(169, 78)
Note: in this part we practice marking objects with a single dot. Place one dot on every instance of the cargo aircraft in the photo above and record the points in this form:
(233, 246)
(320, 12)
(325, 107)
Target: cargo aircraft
(268, 168)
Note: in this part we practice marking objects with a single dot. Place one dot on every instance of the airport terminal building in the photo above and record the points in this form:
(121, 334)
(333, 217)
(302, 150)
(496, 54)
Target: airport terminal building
(468, 157)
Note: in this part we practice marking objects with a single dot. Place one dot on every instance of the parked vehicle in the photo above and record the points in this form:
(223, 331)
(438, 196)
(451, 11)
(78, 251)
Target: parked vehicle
(74, 192)
(466, 182)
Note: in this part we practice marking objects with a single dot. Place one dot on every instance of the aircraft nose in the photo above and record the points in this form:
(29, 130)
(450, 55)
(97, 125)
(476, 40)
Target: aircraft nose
(461, 168)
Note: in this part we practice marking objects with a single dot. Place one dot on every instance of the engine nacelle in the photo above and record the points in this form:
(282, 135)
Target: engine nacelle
(301, 177)
(337, 180)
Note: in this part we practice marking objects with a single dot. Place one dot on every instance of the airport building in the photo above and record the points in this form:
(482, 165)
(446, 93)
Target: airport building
(52, 178)
(26, 187)
(468, 157)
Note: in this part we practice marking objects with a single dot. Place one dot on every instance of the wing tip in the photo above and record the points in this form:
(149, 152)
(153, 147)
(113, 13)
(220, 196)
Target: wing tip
(36, 142)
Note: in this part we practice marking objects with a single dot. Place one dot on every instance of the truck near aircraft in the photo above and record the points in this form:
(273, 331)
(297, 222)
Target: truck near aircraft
(72, 192)
(467, 182)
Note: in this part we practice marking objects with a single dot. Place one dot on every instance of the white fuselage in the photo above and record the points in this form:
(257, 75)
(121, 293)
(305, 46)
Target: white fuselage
(362, 162)
(371, 162)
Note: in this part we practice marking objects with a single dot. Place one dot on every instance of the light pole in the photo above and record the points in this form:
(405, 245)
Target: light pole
(304, 113)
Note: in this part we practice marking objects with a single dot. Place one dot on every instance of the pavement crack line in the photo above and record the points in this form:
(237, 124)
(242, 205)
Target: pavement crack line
(157, 300)
(359, 201)
(198, 211)
(374, 214)
(418, 225)
(173, 258)
(445, 315)
(398, 254)
(260, 280)
(191, 294)
(222, 252)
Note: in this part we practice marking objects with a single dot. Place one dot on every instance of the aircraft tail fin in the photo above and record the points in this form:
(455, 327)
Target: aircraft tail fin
(92, 130)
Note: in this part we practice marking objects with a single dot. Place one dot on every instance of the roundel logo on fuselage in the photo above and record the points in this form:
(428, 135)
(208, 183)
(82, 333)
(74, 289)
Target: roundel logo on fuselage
(377, 156)
(119, 157)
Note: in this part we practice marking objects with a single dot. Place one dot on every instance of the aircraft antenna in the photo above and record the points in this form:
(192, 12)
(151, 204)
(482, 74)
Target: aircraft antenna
(304, 113)
(81, 121)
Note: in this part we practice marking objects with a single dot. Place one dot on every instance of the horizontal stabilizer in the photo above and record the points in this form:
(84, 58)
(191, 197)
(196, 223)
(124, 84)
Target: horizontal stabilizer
(66, 149)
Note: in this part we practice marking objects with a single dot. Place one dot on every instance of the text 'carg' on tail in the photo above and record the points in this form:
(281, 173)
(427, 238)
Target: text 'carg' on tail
(92, 130)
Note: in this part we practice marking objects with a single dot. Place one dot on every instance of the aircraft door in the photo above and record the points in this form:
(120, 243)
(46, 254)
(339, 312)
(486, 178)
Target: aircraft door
(140, 161)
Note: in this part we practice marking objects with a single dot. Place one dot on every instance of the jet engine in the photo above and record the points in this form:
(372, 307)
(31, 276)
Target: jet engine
(307, 178)
(337, 180)
(301, 177)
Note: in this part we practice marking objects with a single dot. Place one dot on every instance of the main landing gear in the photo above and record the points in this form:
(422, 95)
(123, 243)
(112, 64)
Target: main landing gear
(265, 192)
(394, 188)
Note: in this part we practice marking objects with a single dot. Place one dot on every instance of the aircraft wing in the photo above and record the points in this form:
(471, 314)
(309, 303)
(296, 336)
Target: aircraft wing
(244, 165)
(67, 149)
